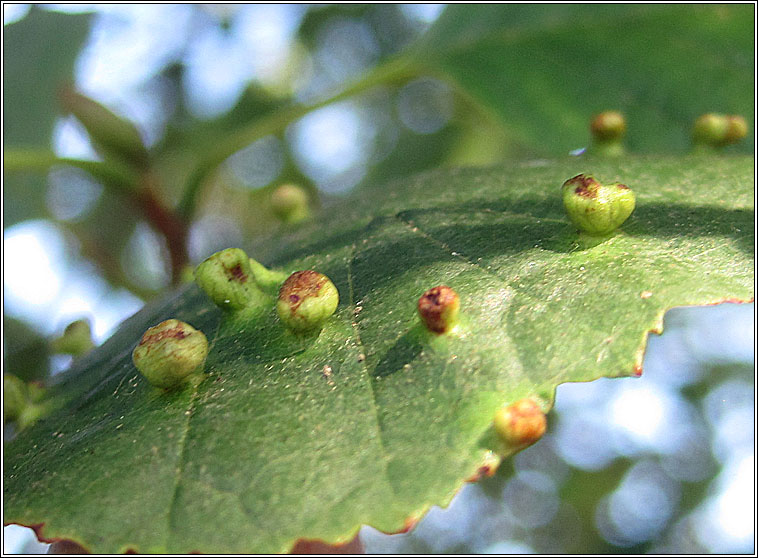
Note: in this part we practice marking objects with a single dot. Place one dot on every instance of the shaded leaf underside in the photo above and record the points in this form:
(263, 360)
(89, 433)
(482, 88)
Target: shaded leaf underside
(544, 70)
(374, 420)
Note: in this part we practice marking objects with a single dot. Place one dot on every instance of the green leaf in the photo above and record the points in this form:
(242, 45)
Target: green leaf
(544, 70)
(38, 58)
(26, 353)
(113, 136)
(375, 420)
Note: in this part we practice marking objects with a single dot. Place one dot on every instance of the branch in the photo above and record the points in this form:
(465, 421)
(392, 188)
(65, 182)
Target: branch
(139, 188)
(170, 223)
(392, 71)
(111, 174)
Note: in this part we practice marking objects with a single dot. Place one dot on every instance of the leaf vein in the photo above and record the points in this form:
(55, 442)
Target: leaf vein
(354, 325)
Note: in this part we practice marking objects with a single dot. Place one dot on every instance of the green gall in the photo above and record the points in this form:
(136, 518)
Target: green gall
(36, 391)
(594, 208)
(306, 300)
(719, 130)
(14, 397)
(736, 129)
(187, 274)
(520, 424)
(267, 279)
(438, 309)
(76, 339)
(227, 278)
(290, 203)
(608, 125)
(710, 129)
(608, 129)
(31, 414)
(169, 353)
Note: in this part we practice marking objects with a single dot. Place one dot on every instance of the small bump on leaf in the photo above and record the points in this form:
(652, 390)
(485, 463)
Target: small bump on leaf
(438, 308)
(76, 339)
(520, 424)
(736, 129)
(608, 125)
(719, 130)
(14, 397)
(227, 278)
(306, 300)
(608, 129)
(595, 208)
(169, 353)
(289, 203)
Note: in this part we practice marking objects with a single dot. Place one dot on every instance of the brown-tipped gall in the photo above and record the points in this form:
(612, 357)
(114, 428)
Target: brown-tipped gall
(719, 130)
(438, 308)
(736, 129)
(595, 208)
(520, 424)
(608, 125)
(227, 278)
(169, 353)
(306, 300)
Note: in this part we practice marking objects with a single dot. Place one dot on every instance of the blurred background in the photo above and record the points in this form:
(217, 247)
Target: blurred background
(664, 463)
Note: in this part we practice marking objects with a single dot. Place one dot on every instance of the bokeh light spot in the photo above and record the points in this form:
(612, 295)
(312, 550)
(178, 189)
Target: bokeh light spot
(425, 105)
(32, 251)
(259, 163)
(71, 193)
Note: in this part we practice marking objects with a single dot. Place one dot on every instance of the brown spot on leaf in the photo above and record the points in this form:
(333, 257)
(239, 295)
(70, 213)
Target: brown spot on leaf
(488, 468)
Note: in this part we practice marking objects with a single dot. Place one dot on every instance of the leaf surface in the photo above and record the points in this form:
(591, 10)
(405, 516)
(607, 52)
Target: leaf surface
(544, 70)
(38, 58)
(375, 420)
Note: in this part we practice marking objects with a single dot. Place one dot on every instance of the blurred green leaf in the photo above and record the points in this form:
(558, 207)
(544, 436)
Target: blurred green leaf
(26, 353)
(113, 136)
(544, 70)
(375, 419)
(388, 30)
(38, 58)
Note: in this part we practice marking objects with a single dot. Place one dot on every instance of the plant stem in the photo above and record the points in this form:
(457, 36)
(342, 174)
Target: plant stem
(110, 174)
(141, 189)
(170, 223)
(391, 71)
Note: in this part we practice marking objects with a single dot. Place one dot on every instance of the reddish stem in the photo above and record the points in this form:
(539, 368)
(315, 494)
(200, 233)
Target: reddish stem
(168, 223)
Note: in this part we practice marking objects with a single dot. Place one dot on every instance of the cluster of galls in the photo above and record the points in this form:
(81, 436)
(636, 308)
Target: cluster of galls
(719, 130)
(710, 130)
(173, 353)
(23, 402)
